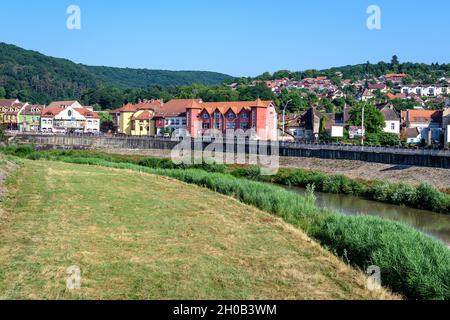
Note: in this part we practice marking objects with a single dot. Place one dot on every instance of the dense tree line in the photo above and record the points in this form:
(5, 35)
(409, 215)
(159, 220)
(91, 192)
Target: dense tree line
(426, 73)
(32, 76)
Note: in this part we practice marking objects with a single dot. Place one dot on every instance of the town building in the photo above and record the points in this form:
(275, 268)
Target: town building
(69, 117)
(391, 118)
(259, 116)
(171, 116)
(10, 115)
(29, 118)
(428, 123)
(136, 119)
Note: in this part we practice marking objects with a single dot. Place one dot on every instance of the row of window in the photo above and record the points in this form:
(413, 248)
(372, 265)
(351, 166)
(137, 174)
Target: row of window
(230, 115)
(230, 125)
(89, 122)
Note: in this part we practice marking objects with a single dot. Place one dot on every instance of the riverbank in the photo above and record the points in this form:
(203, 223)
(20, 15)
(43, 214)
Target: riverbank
(155, 244)
(412, 263)
(439, 178)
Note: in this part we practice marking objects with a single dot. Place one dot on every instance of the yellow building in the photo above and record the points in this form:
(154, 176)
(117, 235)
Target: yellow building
(136, 119)
(142, 123)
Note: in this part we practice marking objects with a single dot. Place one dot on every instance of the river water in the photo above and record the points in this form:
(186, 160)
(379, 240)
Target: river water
(435, 224)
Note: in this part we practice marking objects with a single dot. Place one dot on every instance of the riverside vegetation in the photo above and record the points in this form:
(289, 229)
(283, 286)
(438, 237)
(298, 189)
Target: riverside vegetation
(412, 263)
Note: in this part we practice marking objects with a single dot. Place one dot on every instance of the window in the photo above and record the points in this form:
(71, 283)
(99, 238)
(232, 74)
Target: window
(217, 115)
(231, 115)
(245, 126)
(244, 115)
(205, 116)
(217, 125)
(231, 125)
(205, 125)
(69, 113)
(392, 126)
(183, 122)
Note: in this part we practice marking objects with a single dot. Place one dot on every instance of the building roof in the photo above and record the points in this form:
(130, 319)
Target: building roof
(7, 102)
(50, 112)
(142, 105)
(62, 104)
(32, 110)
(375, 86)
(412, 133)
(89, 114)
(396, 75)
(389, 112)
(235, 106)
(177, 107)
(53, 111)
(146, 115)
(424, 116)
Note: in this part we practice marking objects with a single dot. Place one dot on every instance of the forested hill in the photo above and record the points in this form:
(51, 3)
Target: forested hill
(140, 78)
(32, 76)
(425, 73)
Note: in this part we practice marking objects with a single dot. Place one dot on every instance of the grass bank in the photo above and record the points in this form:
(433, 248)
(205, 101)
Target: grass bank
(412, 264)
(423, 196)
(141, 236)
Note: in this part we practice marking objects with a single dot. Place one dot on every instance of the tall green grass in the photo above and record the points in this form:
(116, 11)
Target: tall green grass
(412, 263)
(423, 196)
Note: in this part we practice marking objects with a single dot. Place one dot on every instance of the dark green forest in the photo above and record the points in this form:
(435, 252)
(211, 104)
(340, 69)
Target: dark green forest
(32, 76)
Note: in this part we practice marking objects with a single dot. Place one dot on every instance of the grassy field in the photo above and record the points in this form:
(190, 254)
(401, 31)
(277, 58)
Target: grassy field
(139, 236)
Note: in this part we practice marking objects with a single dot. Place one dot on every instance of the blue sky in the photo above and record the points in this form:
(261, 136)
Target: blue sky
(238, 37)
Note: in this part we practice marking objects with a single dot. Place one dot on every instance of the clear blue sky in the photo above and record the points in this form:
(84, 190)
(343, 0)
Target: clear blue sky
(238, 37)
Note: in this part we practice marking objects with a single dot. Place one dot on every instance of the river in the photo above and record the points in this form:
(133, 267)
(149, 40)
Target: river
(435, 224)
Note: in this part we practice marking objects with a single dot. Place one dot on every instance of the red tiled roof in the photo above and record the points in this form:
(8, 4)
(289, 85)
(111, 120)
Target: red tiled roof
(177, 107)
(144, 105)
(377, 86)
(7, 102)
(424, 116)
(396, 75)
(51, 112)
(146, 115)
(87, 113)
(235, 106)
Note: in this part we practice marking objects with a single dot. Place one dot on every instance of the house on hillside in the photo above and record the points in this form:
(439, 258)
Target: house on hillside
(391, 118)
(428, 123)
(172, 116)
(69, 117)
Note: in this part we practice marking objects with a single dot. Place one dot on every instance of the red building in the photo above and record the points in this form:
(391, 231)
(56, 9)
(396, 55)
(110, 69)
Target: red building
(260, 116)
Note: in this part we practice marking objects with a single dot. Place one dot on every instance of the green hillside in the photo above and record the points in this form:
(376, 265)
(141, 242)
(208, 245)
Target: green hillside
(32, 76)
(139, 78)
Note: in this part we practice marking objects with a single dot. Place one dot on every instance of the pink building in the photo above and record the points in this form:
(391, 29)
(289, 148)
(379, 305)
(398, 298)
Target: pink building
(260, 116)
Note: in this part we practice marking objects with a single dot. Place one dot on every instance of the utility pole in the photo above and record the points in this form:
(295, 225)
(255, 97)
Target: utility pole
(362, 125)
(284, 116)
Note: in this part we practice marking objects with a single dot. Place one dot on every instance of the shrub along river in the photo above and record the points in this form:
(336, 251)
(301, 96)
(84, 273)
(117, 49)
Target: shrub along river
(435, 224)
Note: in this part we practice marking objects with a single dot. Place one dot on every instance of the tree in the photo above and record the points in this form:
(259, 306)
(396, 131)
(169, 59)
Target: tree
(373, 118)
(395, 63)
(2, 93)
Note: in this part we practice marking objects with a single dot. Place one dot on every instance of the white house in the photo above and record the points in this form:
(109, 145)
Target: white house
(391, 118)
(425, 90)
(69, 116)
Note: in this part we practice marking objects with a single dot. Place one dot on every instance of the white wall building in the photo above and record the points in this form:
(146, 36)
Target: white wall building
(69, 117)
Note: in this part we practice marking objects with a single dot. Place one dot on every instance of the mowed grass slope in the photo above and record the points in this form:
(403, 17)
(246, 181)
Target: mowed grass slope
(139, 236)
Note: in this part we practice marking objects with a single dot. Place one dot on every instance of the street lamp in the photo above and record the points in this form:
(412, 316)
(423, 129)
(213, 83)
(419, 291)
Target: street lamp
(284, 116)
